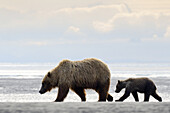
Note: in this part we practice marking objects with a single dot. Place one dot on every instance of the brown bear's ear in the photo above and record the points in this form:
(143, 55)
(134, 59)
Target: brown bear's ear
(119, 81)
(49, 74)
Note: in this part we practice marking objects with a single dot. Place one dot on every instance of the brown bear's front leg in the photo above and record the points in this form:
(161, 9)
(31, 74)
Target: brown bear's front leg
(81, 93)
(126, 94)
(62, 93)
(135, 95)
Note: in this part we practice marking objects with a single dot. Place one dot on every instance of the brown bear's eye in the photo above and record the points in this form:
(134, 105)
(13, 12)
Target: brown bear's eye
(43, 83)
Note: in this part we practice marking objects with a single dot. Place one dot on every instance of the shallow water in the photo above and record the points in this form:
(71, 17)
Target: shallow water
(21, 83)
(26, 90)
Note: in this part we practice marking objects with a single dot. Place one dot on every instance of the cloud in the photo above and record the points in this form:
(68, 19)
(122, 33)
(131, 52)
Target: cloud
(48, 5)
(135, 25)
(103, 8)
(81, 17)
(13, 19)
(102, 27)
(84, 23)
(149, 5)
(126, 31)
(73, 29)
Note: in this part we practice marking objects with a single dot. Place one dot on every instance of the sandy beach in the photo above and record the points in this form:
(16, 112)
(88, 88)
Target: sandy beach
(87, 107)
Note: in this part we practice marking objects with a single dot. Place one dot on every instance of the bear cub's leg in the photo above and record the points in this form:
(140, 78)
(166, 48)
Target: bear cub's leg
(156, 96)
(135, 95)
(126, 94)
(146, 97)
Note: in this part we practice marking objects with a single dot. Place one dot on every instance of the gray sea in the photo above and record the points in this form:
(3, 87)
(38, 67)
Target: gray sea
(21, 82)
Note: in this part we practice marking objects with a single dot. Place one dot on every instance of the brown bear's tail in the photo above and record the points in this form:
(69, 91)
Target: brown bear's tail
(109, 98)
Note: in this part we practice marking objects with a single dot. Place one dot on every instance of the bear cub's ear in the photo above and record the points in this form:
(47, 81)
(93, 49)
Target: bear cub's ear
(119, 81)
(49, 74)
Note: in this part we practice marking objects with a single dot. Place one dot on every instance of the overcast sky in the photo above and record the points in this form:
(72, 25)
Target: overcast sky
(111, 30)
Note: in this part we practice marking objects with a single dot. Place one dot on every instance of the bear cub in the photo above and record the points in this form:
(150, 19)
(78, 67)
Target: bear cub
(134, 85)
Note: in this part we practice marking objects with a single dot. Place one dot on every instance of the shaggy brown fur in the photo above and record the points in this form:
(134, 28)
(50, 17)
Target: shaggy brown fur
(78, 76)
(134, 85)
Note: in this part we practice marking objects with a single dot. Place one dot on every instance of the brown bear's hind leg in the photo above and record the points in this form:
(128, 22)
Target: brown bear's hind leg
(146, 97)
(135, 95)
(102, 91)
(109, 98)
(156, 96)
(62, 93)
(102, 95)
(80, 92)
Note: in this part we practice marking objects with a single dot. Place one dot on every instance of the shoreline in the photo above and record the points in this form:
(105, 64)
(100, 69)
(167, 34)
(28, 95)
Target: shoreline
(84, 107)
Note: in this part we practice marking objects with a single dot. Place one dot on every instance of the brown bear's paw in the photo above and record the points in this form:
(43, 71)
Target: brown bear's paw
(110, 98)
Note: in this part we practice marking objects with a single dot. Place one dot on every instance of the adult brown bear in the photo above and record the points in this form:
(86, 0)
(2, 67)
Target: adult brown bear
(78, 76)
(134, 85)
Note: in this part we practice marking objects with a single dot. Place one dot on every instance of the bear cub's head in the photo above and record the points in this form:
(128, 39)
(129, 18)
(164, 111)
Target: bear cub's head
(120, 85)
(46, 85)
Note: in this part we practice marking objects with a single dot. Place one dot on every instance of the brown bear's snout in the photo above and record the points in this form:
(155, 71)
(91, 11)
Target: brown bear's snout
(42, 91)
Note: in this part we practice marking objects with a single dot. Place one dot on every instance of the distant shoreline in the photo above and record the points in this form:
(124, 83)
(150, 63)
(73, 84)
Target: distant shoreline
(85, 107)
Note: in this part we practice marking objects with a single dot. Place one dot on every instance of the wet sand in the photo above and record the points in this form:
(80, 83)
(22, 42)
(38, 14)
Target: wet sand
(85, 107)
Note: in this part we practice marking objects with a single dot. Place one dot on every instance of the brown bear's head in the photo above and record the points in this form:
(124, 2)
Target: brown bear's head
(120, 85)
(46, 84)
